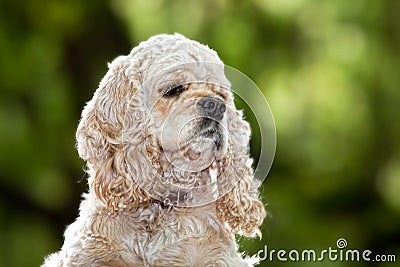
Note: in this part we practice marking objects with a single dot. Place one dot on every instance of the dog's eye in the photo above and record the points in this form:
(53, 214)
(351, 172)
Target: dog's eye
(175, 91)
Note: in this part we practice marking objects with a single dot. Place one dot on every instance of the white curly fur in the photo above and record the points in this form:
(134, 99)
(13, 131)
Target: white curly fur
(120, 223)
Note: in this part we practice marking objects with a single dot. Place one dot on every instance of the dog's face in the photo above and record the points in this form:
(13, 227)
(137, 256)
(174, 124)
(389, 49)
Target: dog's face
(190, 114)
(189, 106)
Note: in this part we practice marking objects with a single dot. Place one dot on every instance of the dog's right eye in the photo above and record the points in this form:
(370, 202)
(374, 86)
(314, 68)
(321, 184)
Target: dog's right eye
(175, 91)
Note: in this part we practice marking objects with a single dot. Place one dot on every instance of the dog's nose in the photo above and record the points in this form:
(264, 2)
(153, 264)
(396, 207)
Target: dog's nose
(211, 107)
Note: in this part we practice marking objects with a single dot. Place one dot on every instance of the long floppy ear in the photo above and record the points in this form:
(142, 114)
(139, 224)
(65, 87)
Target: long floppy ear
(100, 137)
(241, 208)
(100, 127)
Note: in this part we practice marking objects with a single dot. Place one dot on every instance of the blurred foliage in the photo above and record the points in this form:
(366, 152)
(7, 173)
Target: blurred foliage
(329, 69)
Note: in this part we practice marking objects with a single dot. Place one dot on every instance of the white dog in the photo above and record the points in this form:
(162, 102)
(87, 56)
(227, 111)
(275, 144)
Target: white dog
(170, 177)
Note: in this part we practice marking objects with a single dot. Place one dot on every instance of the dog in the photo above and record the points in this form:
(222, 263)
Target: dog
(169, 172)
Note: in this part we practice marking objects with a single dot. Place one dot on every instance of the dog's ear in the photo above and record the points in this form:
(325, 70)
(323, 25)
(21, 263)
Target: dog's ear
(100, 135)
(100, 128)
(241, 209)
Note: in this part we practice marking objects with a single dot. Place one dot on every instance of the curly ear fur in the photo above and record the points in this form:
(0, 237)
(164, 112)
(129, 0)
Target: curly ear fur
(100, 136)
(241, 208)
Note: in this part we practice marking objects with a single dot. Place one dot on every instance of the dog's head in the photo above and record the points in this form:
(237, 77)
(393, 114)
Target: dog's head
(163, 126)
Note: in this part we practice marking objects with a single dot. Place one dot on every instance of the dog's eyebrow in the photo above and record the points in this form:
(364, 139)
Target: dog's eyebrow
(222, 95)
(175, 90)
(165, 86)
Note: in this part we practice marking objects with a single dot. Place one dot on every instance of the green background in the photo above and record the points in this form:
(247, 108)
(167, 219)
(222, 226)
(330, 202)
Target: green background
(329, 70)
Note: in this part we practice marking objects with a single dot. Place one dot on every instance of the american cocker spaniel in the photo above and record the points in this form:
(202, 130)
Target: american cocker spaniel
(170, 177)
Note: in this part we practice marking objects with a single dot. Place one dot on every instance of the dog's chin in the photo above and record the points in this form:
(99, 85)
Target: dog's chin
(193, 168)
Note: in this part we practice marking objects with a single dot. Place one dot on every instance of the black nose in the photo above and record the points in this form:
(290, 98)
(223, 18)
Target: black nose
(211, 107)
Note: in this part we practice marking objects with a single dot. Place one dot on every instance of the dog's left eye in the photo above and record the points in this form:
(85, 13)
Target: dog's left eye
(175, 91)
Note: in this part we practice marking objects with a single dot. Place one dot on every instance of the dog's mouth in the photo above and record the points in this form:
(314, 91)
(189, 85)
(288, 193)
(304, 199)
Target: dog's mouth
(195, 146)
(205, 135)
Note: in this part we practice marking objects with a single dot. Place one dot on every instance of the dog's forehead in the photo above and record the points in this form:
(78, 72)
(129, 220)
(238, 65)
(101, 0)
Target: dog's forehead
(175, 59)
(167, 73)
